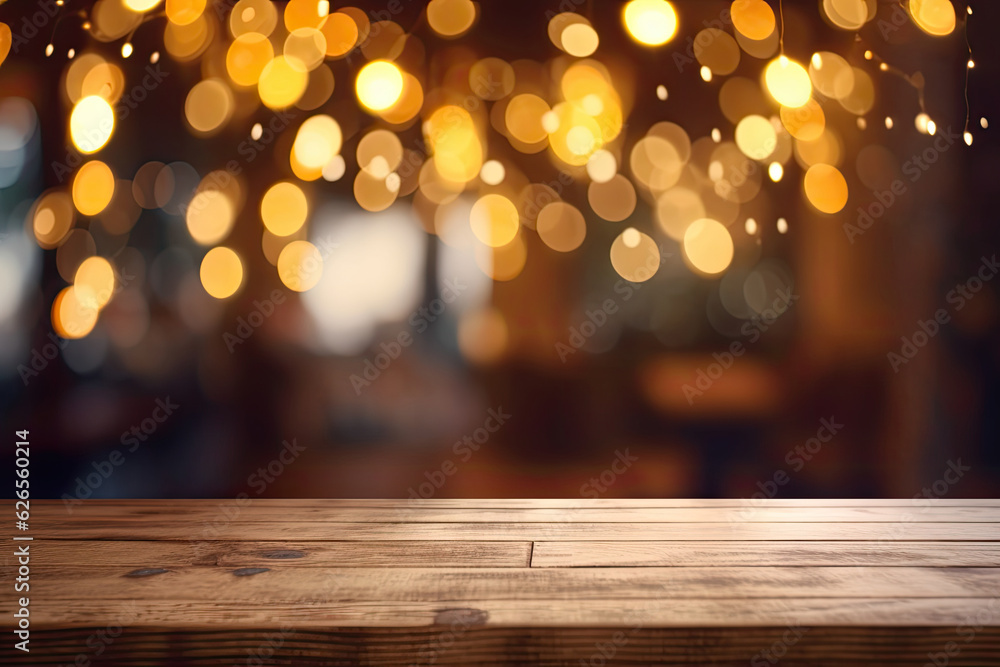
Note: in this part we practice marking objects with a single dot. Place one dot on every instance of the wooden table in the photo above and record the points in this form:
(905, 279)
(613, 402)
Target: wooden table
(489, 582)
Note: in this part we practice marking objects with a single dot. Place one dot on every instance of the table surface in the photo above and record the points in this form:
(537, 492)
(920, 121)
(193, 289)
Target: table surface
(516, 581)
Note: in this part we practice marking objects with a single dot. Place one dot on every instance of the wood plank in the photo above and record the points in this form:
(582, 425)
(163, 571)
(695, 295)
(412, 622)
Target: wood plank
(157, 529)
(70, 586)
(268, 512)
(561, 613)
(512, 503)
(750, 554)
(164, 554)
(518, 646)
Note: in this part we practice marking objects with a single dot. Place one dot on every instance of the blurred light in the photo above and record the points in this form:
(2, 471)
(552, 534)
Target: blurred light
(94, 282)
(650, 22)
(716, 135)
(868, 55)
(775, 171)
(210, 217)
(334, 169)
(141, 5)
(755, 137)
(524, 118)
(282, 82)
(831, 75)
(579, 40)
(708, 247)
(614, 200)
(53, 218)
(247, 57)
(221, 272)
(183, 12)
(341, 33)
(483, 335)
(968, 138)
(379, 85)
(602, 166)
(983, 123)
(750, 226)
(71, 54)
(70, 317)
(706, 73)
(931, 127)
(93, 187)
(300, 266)
(209, 106)
(935, 17)
(317, 141)
(307, 46)
(253, 16)
(661, 92)
(888, 122)
(126, 49)
(492, 173)
(806, 122)
(154, 57)
(495, 220)
(635, 256)
(451, 18)
(49, 49)
(91, 124)
(754, 19)
(788, 82)
(782, 226)
(284, 208)
(6, 40)
(825, 188)
(561, 226)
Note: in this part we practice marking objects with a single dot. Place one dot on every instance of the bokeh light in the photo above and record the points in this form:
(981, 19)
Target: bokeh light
(284, 208)
(650, 22)
(708, 246)
(379, 85)
(91, 124)
(93, 187)
(221, 272)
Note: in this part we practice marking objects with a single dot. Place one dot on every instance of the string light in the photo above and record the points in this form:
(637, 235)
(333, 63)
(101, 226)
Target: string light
(782, 226)
(126, 49)
(49, 48)
(888, 122)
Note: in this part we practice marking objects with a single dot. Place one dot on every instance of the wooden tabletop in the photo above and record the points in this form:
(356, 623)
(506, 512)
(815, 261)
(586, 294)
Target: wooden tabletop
(470, 582)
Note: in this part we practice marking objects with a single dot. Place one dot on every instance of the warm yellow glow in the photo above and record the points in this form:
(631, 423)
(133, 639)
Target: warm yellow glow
(282, 82)
(284, 208)
(806, 122)
(483, 335)
(183, 12)
(451, 18)
(580, 40)
(91, 124)
(524, 118)
(93, 187)
(935, 17)
(209, 105)
(825, 188)
(846, 14)
(492, 172)
(319, 139)
(253, 16)
(307, 46)
(209, 217)
(72, 318)
(6, 39)
(53, 218)
(754, 19)
(650, 22)
(302, 14)
(755, 137)
(613, 200)
(561, 226)
(300, 266)
(379, 85)
(494, 220)
(221, 272)
(341, 33)
(94, 282)
(635, 256)
(788, 82)
(141, 5)
(246, 58)
(602, 166)
(458, 153)
(775, 171)
(708, 246)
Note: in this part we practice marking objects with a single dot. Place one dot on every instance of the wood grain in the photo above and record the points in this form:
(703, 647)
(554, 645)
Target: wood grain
(514, 582)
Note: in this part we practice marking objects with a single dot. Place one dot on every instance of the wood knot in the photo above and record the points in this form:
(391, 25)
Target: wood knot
(285, 555)
(248, 571)
(146, 572)
(461, 617)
